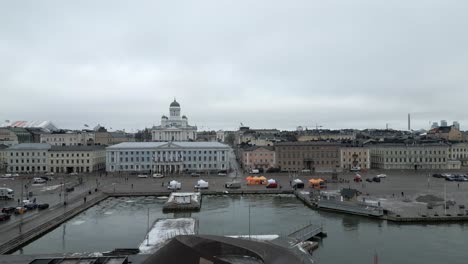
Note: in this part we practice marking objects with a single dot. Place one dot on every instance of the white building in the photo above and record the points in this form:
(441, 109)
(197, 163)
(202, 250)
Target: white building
(174, 127)
(220, 136)
(168, 157)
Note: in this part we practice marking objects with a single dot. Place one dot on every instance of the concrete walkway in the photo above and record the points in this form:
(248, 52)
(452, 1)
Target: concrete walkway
(13, 234)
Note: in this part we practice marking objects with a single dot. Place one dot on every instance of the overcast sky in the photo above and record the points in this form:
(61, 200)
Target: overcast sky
(267, 64)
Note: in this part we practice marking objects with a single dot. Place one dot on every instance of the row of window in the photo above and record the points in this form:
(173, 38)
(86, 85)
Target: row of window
(28, 168)
(166, 152)
(68, 155)
(27, 154)
(185, 166)
(27, 161)
(68, 161)
(308, 155)
(319, 162)
(410, 152)
(164, 159)
(402, 160)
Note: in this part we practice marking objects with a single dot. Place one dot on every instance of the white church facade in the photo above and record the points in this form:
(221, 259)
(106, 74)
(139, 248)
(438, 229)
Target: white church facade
(174, 127)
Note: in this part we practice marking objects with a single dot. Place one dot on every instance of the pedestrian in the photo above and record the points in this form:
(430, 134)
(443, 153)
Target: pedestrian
(402, 194)
(162, 184)
(132, 185)
(34, 200)
(458, 185)
(18, 201)
(84, 199)
(393, 195)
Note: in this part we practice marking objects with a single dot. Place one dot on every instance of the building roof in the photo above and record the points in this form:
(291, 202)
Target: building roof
(253, 148)
(175, 104)
(308, 143)
(441, 129)
(77, 148)
(47, 125)
(30, 146)
(146, 145)
(3, 146)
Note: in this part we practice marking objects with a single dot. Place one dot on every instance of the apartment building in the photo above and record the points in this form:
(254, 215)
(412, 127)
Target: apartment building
(27, 157)
(257, 157)
(352, 157)
(79, 159)
(412, 156)
(314, 156)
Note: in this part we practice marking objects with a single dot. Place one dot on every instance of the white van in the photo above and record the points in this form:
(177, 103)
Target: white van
(201, 184)
(174, 185)
(6, 193)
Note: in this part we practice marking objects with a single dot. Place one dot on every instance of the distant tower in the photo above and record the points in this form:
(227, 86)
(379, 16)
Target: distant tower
(409, 122)
(435, 125)
(456, 125)
(443, 123)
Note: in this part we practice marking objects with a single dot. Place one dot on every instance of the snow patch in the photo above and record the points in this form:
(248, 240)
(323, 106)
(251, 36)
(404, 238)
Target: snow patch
(257, 237)
(50, 188)
(78, 222)
(165, 229)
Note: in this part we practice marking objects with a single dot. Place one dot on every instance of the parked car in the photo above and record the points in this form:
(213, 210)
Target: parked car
(158, 175)
(8, 210)
(437, 175)
(380, 176)
(450, 178)
(272, 185)
(232, 185)
(46, 178)
(38, 180)
(357, 178)
(49, 173)
(4, 217)
(368, 180)
(142, 176)
(222, 174)
(69, 189)
(195, 174)
(73, 173)
(305, 171)
(15, 175)
(357, 168)
(20, 210)
(30, 206)
(376, 179)
(42, 206)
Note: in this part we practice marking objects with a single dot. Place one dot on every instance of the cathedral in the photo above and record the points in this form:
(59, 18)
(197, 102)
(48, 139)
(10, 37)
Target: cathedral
(174, 127)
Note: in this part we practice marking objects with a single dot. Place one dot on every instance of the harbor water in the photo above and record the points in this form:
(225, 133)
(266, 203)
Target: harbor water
(122, 223)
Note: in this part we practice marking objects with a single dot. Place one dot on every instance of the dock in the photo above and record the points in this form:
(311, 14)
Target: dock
(183, 202)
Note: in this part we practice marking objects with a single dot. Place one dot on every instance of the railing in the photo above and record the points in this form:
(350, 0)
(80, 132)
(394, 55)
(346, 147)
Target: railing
(37, 231)
(306, 232)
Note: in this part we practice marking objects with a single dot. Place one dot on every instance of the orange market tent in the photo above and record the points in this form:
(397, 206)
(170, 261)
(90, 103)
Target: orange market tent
(254, 180)
(315, 183)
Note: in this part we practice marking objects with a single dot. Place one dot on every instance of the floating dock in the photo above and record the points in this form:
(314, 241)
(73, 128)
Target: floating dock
(183, 201)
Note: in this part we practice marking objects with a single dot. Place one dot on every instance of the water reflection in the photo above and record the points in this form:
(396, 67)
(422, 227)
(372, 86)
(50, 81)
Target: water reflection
(350, 223)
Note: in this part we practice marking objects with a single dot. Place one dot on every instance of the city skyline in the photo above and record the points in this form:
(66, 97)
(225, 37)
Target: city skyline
(338, 65)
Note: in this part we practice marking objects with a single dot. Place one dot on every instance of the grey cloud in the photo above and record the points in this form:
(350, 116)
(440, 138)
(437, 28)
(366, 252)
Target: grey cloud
(265, 63)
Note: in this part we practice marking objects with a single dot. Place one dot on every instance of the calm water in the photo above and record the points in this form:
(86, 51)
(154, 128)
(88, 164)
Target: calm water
(121, 222)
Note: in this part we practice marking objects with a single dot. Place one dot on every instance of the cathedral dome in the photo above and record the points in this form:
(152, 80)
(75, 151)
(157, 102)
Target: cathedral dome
(184, 117)
(175, 104)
